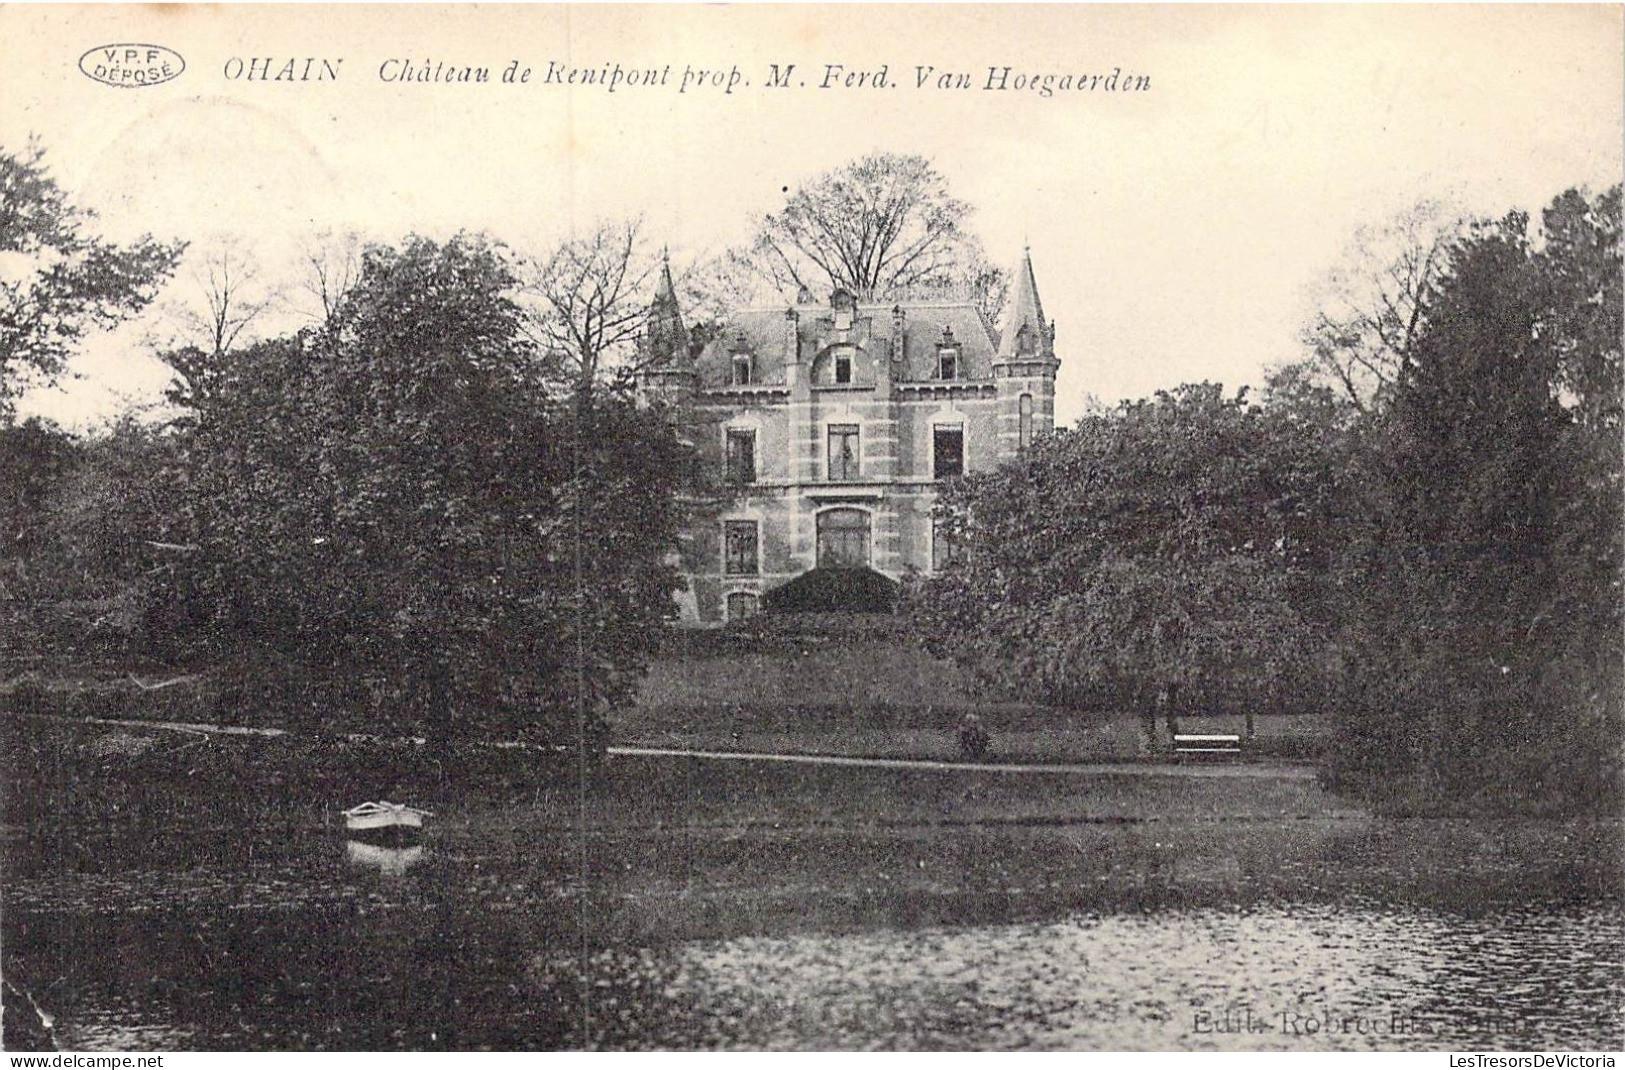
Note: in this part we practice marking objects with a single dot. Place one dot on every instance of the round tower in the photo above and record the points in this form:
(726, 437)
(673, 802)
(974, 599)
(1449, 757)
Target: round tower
(1024, 369)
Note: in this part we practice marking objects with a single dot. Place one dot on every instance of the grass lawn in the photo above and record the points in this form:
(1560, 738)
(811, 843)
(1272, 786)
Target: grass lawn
(862, 695)
(884, 697)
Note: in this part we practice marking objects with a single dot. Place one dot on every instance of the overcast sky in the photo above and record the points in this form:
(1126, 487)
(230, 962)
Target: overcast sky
(1176, 232)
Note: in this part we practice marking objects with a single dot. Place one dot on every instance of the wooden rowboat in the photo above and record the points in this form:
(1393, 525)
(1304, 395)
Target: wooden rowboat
(390, 861)
(385, 818)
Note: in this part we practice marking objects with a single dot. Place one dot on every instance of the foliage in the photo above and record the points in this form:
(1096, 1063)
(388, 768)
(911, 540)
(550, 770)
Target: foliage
(119, 534)
(1433, 557)
(403, 503)
(835, 590)
(881, 227)
(1484, 624)
(56, 281)
(35, 456)
(1156, 554)
(95, 521)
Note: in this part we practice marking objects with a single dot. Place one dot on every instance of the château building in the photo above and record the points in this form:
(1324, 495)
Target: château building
(824, 430)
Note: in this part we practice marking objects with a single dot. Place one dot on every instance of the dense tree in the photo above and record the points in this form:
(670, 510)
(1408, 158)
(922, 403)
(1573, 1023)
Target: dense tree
(1156, 556)
(882, 226)
(58, 282)
(1483, 621)
(402, 507)
(94, 520)
(35, 456)
(1434, 557)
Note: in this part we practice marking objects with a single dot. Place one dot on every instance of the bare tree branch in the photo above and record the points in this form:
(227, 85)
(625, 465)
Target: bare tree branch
(586, 301)
(882, 227)
(1374, 305)
(227, 295)
(330, 266)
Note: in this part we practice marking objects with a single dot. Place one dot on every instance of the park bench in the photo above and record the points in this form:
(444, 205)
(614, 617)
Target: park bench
(1207, 744)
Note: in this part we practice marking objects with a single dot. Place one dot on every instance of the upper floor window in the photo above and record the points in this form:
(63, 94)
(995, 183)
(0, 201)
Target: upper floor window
(1026, 435)
(741, 456)
(843, 366)
(740, 548)
(947, 452)
(948, 364)
(741, 369)
(843, 451)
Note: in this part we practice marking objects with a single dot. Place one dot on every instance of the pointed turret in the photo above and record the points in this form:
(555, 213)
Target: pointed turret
(1027, 334)
(664, 353)
(665, 338)
(1025, 367)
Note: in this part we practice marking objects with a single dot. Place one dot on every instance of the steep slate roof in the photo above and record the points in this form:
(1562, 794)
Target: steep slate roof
(1025, 310)
(762, 333)
(664, 334)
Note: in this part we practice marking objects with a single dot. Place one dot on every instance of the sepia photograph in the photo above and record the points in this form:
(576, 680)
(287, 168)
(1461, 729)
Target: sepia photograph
(812, 527)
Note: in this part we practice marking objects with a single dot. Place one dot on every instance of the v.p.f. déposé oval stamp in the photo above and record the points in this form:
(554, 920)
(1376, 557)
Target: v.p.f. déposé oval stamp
(131, 66)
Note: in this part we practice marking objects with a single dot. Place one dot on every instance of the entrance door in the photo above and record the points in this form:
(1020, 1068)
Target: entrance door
(843, 538)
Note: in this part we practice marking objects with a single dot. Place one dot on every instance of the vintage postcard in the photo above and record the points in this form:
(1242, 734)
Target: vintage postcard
(836, 527)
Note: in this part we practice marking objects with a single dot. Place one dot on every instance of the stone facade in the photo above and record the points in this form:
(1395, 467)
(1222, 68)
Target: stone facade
(824, 430)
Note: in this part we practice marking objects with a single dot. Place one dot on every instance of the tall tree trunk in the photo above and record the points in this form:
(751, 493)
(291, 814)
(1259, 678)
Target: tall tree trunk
(1148, 719)
(1170, 706)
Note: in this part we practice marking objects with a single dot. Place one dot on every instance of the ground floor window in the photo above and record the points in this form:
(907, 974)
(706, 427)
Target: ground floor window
(740, 548)
(843, 538)
(742, 605)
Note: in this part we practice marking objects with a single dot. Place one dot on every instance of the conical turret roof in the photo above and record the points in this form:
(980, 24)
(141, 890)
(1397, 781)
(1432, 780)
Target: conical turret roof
(1026, 311)
(665, 337)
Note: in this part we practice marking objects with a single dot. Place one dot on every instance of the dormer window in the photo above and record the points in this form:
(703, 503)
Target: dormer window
(1024, 340)
(741, 367)
(947, 355)
(844, 305)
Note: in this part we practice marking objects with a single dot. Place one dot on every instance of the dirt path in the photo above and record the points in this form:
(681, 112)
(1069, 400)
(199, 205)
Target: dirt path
(1238, 770)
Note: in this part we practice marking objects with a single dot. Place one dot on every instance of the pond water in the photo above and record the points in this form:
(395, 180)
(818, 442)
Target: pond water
(206, 939)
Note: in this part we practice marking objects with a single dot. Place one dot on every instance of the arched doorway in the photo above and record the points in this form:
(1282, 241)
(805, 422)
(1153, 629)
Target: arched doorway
(843, 538)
